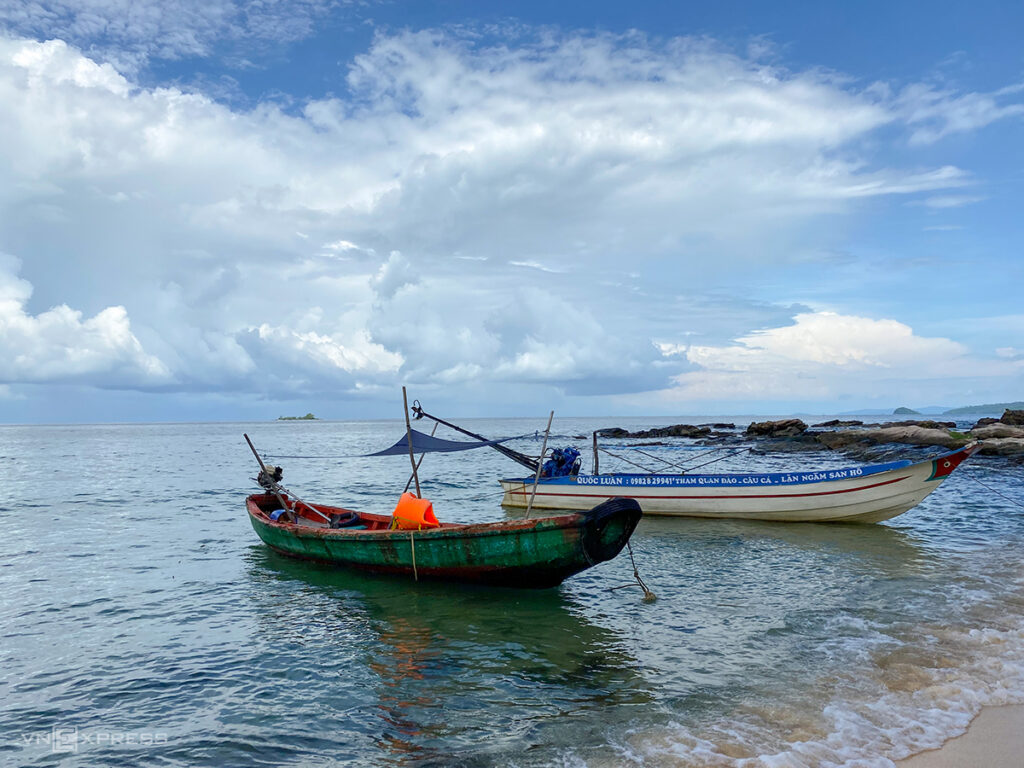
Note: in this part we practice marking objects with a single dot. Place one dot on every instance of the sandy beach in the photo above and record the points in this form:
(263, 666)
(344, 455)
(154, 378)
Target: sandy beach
(995, 739)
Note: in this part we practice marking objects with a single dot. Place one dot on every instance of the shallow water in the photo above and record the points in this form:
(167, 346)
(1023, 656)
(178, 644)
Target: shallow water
(140, 608)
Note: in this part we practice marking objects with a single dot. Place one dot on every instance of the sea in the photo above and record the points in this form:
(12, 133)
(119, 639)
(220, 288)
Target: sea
(143, 622)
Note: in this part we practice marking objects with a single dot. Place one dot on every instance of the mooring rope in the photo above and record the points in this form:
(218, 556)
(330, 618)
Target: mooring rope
(649, 597)
(993, 490)
(412, 541)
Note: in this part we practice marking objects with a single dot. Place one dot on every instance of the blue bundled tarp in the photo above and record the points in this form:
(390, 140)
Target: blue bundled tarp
(422, 443)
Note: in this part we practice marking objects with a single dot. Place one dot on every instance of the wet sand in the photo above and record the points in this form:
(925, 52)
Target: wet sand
(994, 739)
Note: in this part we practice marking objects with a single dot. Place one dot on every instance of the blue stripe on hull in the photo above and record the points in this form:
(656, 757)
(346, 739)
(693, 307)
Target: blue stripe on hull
(725, 480)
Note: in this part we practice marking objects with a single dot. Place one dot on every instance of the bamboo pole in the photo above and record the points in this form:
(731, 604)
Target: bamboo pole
(596, 470)
(540, 464)
(263, 466)
(420, 462)
(408, 437)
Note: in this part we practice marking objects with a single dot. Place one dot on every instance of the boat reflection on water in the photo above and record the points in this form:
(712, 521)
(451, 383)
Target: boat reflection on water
(439, 667)
(881, 545)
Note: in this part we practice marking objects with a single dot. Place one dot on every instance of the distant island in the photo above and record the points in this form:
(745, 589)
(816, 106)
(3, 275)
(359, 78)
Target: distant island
(968, 410)
(988, 409)
(307, 417)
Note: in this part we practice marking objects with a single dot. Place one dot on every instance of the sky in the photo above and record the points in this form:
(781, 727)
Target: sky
(213, 210)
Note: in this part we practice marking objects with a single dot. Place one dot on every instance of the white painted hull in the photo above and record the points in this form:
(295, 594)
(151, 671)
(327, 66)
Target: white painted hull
(866, 495)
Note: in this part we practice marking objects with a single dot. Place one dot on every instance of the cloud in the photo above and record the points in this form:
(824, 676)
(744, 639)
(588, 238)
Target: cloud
(950, 201)
(824, 356)
(59, 346)
(547, 208)
(934, 114)
(129, 33)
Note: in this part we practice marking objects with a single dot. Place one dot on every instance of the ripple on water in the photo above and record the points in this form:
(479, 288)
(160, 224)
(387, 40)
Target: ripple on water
(153, 608)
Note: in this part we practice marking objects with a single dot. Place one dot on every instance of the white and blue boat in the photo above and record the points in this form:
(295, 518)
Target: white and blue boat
(866, 494)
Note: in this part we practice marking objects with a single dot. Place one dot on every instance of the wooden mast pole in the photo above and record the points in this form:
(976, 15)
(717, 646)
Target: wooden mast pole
(263, 467)
(420, 462)
(408, 437)
(540, 464)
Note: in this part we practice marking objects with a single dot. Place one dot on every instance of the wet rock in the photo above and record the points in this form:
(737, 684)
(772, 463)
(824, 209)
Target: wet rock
(910, 435)
(676, 430)
(783, 428)
(997, 430)
(839, 423)
(985, 421)
(798, 443)
(1003, 446)
(722, 425)
(924, 424)
(1014, 418)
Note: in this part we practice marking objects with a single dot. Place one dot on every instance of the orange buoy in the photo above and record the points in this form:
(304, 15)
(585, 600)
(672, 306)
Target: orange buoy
(413, 513)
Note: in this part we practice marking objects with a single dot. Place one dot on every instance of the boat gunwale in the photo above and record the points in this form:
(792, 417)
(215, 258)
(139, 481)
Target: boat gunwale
(862, 472)
(445, 530)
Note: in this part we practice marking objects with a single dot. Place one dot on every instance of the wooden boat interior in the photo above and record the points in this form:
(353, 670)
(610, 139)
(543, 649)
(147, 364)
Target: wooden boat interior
(305, 515)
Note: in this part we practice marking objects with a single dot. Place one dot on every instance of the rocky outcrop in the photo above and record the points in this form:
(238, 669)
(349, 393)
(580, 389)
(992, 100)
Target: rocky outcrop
(985, 421)
(998, 438)
(1003, 446)
(783, 428)
(1014, 418)
(909, 435)
(996, 430)
(924, 424)
(676, 430)
(720, 425)
(798, 444)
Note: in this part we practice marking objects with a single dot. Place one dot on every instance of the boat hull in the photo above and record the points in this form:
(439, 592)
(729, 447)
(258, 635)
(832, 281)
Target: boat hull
(535, 553)
(853, 495)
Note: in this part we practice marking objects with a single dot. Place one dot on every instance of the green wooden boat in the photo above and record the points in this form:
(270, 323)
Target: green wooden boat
(536, 553)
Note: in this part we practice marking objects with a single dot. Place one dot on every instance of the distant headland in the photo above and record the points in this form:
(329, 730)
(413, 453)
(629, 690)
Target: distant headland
(969, 410)
(307, 417)
(988, 409)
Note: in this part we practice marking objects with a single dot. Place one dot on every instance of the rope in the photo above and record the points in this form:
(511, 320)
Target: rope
(649, 597)
(621, 458)
(658, 458)
(412, 541)
(720, 458)
(993, 490)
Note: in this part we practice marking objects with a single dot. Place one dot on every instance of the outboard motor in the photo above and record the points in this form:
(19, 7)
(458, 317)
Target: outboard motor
(269, 478)
(563, 463)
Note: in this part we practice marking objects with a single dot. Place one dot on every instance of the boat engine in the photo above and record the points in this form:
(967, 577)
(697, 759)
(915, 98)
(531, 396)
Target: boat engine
(269, 478)
(563, 462)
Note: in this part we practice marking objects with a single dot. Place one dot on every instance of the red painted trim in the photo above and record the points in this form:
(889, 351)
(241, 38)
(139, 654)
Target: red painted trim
(716, 496)
(943, 466)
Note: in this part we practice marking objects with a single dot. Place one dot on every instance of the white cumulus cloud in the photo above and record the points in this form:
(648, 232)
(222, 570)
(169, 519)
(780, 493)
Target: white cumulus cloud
(540, 203)
(824, 356)
(60, 345)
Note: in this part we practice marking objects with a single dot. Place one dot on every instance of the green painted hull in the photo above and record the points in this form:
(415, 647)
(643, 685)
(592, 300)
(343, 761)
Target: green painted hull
(521, 553)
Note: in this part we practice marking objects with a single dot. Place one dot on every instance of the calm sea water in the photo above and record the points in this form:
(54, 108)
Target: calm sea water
(143, 622)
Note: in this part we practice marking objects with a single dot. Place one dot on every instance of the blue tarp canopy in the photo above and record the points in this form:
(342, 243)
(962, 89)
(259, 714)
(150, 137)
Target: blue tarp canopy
(422, 443)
